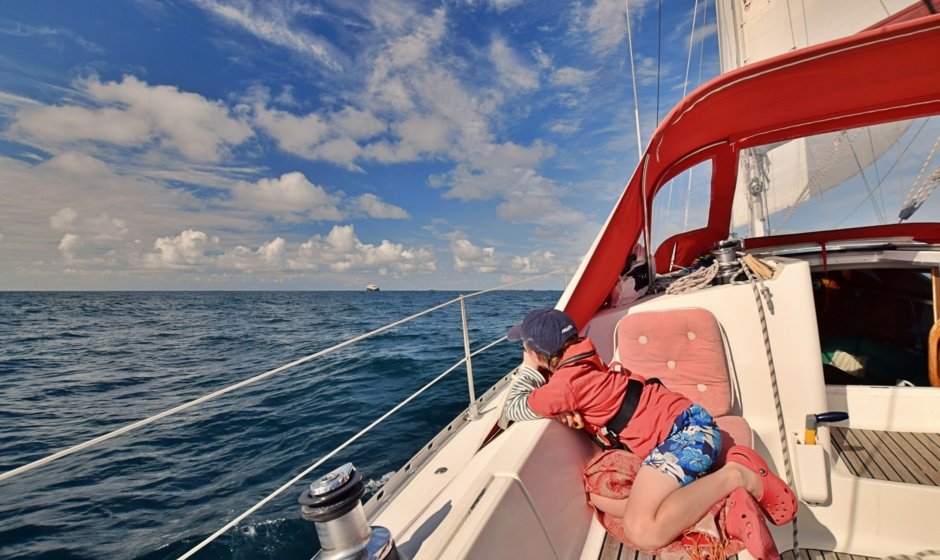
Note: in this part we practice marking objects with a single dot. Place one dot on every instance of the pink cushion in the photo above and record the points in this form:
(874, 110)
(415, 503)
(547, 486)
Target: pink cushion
(683, 348)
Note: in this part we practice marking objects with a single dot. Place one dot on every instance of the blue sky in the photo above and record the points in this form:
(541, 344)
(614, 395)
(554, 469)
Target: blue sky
(210, 144)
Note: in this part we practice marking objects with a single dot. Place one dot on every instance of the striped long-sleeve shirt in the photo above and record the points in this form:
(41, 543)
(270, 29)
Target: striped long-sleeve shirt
(526, 380)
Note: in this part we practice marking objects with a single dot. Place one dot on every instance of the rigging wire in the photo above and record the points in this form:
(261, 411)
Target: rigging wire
(685, 87)
(636, 101)
(874, 160)
(879, 212)
(812, 183)
(923, 190)
(887, 173)
(659, 53)
(141, 423)
(701, 59)
(330, 455)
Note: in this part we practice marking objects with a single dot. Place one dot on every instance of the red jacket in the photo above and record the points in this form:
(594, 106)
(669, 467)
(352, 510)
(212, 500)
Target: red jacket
(584, 384)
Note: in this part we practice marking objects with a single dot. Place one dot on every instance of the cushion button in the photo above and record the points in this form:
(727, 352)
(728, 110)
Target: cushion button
(643, 340)
(691, 335)
(701, 387)
(671, 364)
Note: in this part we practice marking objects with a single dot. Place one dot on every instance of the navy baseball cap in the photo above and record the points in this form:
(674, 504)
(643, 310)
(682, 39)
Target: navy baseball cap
(545, 330)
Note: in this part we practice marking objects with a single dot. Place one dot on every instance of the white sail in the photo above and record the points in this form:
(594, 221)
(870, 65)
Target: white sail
(781, 177)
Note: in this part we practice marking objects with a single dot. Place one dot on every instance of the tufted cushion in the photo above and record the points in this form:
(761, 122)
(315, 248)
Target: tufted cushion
(683, 348)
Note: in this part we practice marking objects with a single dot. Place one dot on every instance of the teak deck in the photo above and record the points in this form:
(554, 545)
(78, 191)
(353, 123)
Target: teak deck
(615, 550)
(910, 458)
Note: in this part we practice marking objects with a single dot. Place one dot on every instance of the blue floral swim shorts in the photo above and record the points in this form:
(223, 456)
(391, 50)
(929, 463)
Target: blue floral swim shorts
(690, 448)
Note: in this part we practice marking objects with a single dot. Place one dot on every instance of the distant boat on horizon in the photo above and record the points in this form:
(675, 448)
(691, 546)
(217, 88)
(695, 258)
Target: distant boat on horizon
(372, 288)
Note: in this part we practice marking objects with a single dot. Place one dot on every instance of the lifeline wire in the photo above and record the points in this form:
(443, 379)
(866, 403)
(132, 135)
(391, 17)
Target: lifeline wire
(140, 423)
(329, 455)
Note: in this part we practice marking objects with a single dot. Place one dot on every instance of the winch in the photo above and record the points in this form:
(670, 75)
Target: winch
(726, 255)
(332, 503)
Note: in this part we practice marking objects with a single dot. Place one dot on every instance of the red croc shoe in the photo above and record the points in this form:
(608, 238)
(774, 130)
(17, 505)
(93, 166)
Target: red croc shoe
(777, 500)
(744, 522)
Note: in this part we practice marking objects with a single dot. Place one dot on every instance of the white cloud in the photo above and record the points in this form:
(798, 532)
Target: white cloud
(329, 137)
(512, 73)
(358, 124)
(535, 263)
(468, 256)
(546, 210)
(498, 5)
(341, 251)
(68, 245)
(71, 124)
(498, 170)
(289, 196)
(138, 115)
(426, 134)
(569, 76)
(272, 22)
(408, 50)
(606, 22)
(295, 134)
(268, 256)
(197, 127)
(502, 5)
(186, 249)
(341, 151)
(565, 127)
(419, 136)
(105, 210)
(63, 220)
(372, 206)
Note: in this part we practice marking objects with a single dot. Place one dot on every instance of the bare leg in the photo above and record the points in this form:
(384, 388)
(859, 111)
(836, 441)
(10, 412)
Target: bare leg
(613, 506)
(659, 510)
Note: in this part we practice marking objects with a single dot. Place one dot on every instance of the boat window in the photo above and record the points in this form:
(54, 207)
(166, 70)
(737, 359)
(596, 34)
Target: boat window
(851, 178)
(682, 204)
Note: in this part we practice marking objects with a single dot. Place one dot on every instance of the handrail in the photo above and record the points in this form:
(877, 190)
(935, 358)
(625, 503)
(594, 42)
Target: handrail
(140, 423)
(329, 455)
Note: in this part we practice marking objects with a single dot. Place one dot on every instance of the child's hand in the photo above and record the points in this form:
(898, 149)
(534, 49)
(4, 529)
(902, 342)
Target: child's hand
(571, 419)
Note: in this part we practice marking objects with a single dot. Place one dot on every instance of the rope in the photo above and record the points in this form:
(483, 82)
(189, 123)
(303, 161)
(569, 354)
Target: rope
(695, 281)
(781, 424)
(330, 455)
(141, 423)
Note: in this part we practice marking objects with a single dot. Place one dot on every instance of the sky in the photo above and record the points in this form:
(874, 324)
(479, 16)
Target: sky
(301, 145)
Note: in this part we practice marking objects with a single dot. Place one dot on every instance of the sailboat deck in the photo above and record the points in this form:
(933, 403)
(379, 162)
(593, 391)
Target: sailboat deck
(906, 457)
(615, 550)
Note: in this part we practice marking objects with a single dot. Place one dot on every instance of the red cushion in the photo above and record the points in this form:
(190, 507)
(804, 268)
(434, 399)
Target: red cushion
(683, 348)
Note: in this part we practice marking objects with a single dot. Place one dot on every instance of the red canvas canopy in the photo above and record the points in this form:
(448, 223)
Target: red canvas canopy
(886, 74)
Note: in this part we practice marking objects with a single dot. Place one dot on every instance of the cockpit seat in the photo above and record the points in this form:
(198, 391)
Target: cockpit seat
(684, 348)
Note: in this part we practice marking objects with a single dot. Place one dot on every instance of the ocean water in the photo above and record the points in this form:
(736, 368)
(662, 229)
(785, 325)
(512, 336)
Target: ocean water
(77, 365)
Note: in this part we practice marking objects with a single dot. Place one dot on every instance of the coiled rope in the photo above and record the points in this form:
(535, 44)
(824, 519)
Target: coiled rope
(694, 281)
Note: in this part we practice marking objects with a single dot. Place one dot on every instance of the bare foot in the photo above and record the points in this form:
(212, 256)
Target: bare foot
(748, 478)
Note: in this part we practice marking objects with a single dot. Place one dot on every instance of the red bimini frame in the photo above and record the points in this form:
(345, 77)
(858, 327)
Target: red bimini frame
(881, 75)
